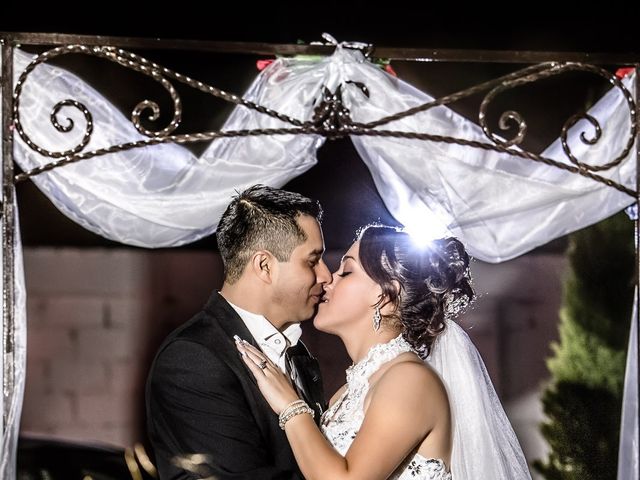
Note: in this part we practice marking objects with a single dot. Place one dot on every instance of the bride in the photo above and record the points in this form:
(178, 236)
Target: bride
(418, 402)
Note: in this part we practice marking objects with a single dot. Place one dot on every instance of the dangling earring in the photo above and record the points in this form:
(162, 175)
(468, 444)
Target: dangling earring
(377, 318)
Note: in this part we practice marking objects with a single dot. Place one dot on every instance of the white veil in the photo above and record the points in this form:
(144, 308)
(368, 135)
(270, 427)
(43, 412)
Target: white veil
(484, 443)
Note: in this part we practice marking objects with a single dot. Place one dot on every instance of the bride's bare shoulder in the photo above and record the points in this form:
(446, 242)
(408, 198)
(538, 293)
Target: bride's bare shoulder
(409, 390)
(411, 376)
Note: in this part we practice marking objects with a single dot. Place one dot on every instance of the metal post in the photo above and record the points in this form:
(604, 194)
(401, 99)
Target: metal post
(8, 330)
(637, 250)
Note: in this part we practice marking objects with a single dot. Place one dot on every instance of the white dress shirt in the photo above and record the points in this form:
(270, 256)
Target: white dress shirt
(270, 340)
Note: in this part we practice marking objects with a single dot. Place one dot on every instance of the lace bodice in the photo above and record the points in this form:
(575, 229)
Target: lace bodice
(341, 422)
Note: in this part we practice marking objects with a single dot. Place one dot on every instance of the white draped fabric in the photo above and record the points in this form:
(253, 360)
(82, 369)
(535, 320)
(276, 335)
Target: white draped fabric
(628, 454)
(499, 205)
(11, 402)
(159, 196)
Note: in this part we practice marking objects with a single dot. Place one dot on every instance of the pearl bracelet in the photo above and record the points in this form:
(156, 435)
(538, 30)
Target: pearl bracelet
(294, 408)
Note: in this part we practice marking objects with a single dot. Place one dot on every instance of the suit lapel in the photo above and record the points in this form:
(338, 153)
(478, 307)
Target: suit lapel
(228, 319)
(224, 324)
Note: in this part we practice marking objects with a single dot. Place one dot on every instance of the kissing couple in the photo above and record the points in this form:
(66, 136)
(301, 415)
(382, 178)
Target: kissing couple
(235, 385)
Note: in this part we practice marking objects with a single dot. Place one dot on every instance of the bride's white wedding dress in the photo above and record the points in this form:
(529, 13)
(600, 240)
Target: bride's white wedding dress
(484, 443)
(341, 422)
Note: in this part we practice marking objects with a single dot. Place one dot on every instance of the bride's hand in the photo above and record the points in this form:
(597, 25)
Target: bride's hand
(274, 385)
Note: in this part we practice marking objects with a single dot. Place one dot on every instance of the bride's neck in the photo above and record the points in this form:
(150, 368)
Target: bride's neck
(359, 345)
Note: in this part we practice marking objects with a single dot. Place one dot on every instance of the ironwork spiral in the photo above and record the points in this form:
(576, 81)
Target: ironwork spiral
(141, 65)
(331, 117)
(556, 69)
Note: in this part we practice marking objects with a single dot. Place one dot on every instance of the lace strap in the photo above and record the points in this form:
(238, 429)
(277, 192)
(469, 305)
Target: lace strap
(377, 356)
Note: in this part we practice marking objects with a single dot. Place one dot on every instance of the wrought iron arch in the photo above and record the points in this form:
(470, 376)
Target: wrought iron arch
(331, 118)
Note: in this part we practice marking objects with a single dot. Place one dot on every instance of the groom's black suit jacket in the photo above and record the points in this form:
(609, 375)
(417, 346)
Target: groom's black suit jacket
(202, 399)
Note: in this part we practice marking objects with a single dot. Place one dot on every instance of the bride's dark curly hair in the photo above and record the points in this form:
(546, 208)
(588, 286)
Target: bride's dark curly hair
(424, 284)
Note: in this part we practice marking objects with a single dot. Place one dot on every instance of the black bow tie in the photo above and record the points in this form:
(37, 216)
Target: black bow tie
(304, 371)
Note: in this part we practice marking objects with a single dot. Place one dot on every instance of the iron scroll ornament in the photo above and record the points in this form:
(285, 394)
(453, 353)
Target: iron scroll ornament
(331, 118)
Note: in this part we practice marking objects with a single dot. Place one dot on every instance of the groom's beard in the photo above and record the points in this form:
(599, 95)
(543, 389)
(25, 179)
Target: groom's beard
(294, 306)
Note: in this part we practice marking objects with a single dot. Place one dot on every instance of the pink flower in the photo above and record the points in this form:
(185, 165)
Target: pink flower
(262, 64)
(389, 69)
(624, 71)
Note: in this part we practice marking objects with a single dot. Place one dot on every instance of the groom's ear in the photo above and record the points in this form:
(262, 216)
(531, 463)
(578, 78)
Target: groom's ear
(262, 265)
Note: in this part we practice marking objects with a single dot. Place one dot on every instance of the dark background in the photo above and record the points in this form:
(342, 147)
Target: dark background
(340, 181)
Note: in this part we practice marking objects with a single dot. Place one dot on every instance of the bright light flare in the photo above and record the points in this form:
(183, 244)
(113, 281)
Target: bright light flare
(424, 226)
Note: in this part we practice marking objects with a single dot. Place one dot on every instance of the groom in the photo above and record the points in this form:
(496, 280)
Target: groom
(201, 398)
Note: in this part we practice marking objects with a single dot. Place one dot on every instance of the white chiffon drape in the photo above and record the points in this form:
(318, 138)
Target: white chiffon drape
(499, 205)
(159, 196)
(11, 401)
(628, 453)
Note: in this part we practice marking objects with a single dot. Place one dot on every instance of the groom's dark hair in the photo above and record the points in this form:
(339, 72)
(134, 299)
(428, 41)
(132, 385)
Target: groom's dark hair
(262, 218)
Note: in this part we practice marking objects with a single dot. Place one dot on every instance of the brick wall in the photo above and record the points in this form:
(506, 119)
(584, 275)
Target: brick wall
(95, 318)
